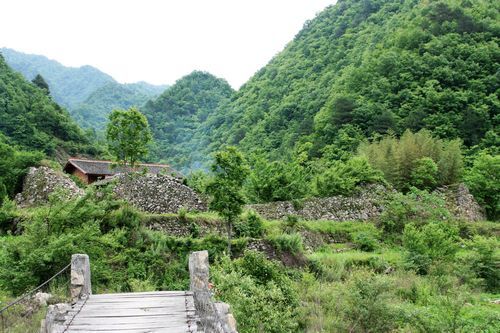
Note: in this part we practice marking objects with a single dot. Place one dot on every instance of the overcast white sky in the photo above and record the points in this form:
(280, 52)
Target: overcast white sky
(157, 41)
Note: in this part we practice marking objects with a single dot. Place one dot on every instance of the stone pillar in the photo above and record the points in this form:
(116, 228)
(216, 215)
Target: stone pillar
(80, 277)
(214, 317)
(199, 271)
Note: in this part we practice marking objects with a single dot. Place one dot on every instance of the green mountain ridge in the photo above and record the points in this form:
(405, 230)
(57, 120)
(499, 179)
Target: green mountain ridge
(31, 120)
(377, 67)
(88, 93)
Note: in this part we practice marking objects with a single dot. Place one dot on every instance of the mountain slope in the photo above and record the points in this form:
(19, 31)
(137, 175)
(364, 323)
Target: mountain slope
(69, 86)
(89, 94)
(94, 111)
(381, 65)
(176, 115)
(31, 120)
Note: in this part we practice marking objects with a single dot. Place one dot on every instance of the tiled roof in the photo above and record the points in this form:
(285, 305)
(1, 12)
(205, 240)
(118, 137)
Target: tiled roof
(105, 167)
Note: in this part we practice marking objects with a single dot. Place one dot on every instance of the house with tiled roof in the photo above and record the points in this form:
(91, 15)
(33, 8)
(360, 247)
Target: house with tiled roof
(89, 171)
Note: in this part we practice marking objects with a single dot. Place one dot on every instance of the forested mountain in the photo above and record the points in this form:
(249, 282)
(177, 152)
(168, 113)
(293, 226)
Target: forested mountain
(94, 111)
(30, 119)
(175, 117)
(379, 66)
(89, 94)
(69, 86)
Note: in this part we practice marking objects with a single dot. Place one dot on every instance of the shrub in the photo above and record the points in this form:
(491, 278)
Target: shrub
(424, 174)
(343, 178)
(291, 222)
(261, 295)
(366, 308)
(182, 214)
(249, 225)
(484, 183)
(276, 181)
(433, 243)
(484, 262)
(288, 243)
(416, 206)
(365, 241)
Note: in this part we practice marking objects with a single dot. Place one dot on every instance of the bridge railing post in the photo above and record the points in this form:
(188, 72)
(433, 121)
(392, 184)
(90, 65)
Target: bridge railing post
(214, 317)
(80, 277)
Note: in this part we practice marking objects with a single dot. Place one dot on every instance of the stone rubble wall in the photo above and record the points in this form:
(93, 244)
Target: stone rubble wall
(364, 206)
(461, 203)
(150, 193)
(367, 205)
(157, 193)
(41, 182)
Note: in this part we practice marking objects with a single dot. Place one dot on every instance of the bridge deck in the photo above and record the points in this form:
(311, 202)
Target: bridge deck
(147, 312)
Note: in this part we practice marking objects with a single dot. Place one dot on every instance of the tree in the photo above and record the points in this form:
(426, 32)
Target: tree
(128, 135)
(484, 183)
(230, 171)
(40, 82)
(424, 174)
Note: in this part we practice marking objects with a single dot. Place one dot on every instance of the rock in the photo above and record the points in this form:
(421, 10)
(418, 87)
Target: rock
(42, 298)
(461, 203)
(40, 183)
(157, 193)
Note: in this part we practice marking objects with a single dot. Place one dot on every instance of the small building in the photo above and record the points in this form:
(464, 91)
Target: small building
(89, 171)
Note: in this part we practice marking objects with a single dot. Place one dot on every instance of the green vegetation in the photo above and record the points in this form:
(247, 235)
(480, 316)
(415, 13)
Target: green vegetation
(128, 136)
(398, 94)
(416, 159)
(483, 181)
(89, 94)
(31, 120)
(437, 275)
(177, 114)
(230, 171)
(94, 111)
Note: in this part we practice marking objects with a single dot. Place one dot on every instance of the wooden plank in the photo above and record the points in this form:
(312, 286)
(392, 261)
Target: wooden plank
(129, 313)
(121, 320)
(140, 300)
(130, 326)
(141, 294)
(184, 329)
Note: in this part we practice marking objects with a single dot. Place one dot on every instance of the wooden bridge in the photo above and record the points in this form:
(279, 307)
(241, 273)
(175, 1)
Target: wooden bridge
(143, 312)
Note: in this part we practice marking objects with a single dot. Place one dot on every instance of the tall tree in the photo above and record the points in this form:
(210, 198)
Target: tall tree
(40, 82)
(230, 172)
(128, 135)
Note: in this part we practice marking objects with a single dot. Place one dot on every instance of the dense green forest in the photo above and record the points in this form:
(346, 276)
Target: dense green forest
(364, 69)
(30, 119)
(176, 117)
(88, 94)
(380, 66)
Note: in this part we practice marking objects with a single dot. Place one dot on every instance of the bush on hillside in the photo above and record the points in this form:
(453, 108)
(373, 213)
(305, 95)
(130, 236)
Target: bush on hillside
(275, 181)
(344, 178)
(483, 181)
(261, 294)
(415, 206)
(432, 244)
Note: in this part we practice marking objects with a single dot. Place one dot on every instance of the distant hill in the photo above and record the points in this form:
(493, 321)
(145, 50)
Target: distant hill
(31, 120)
(176, 117)
(86, 92)
(93, 112)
